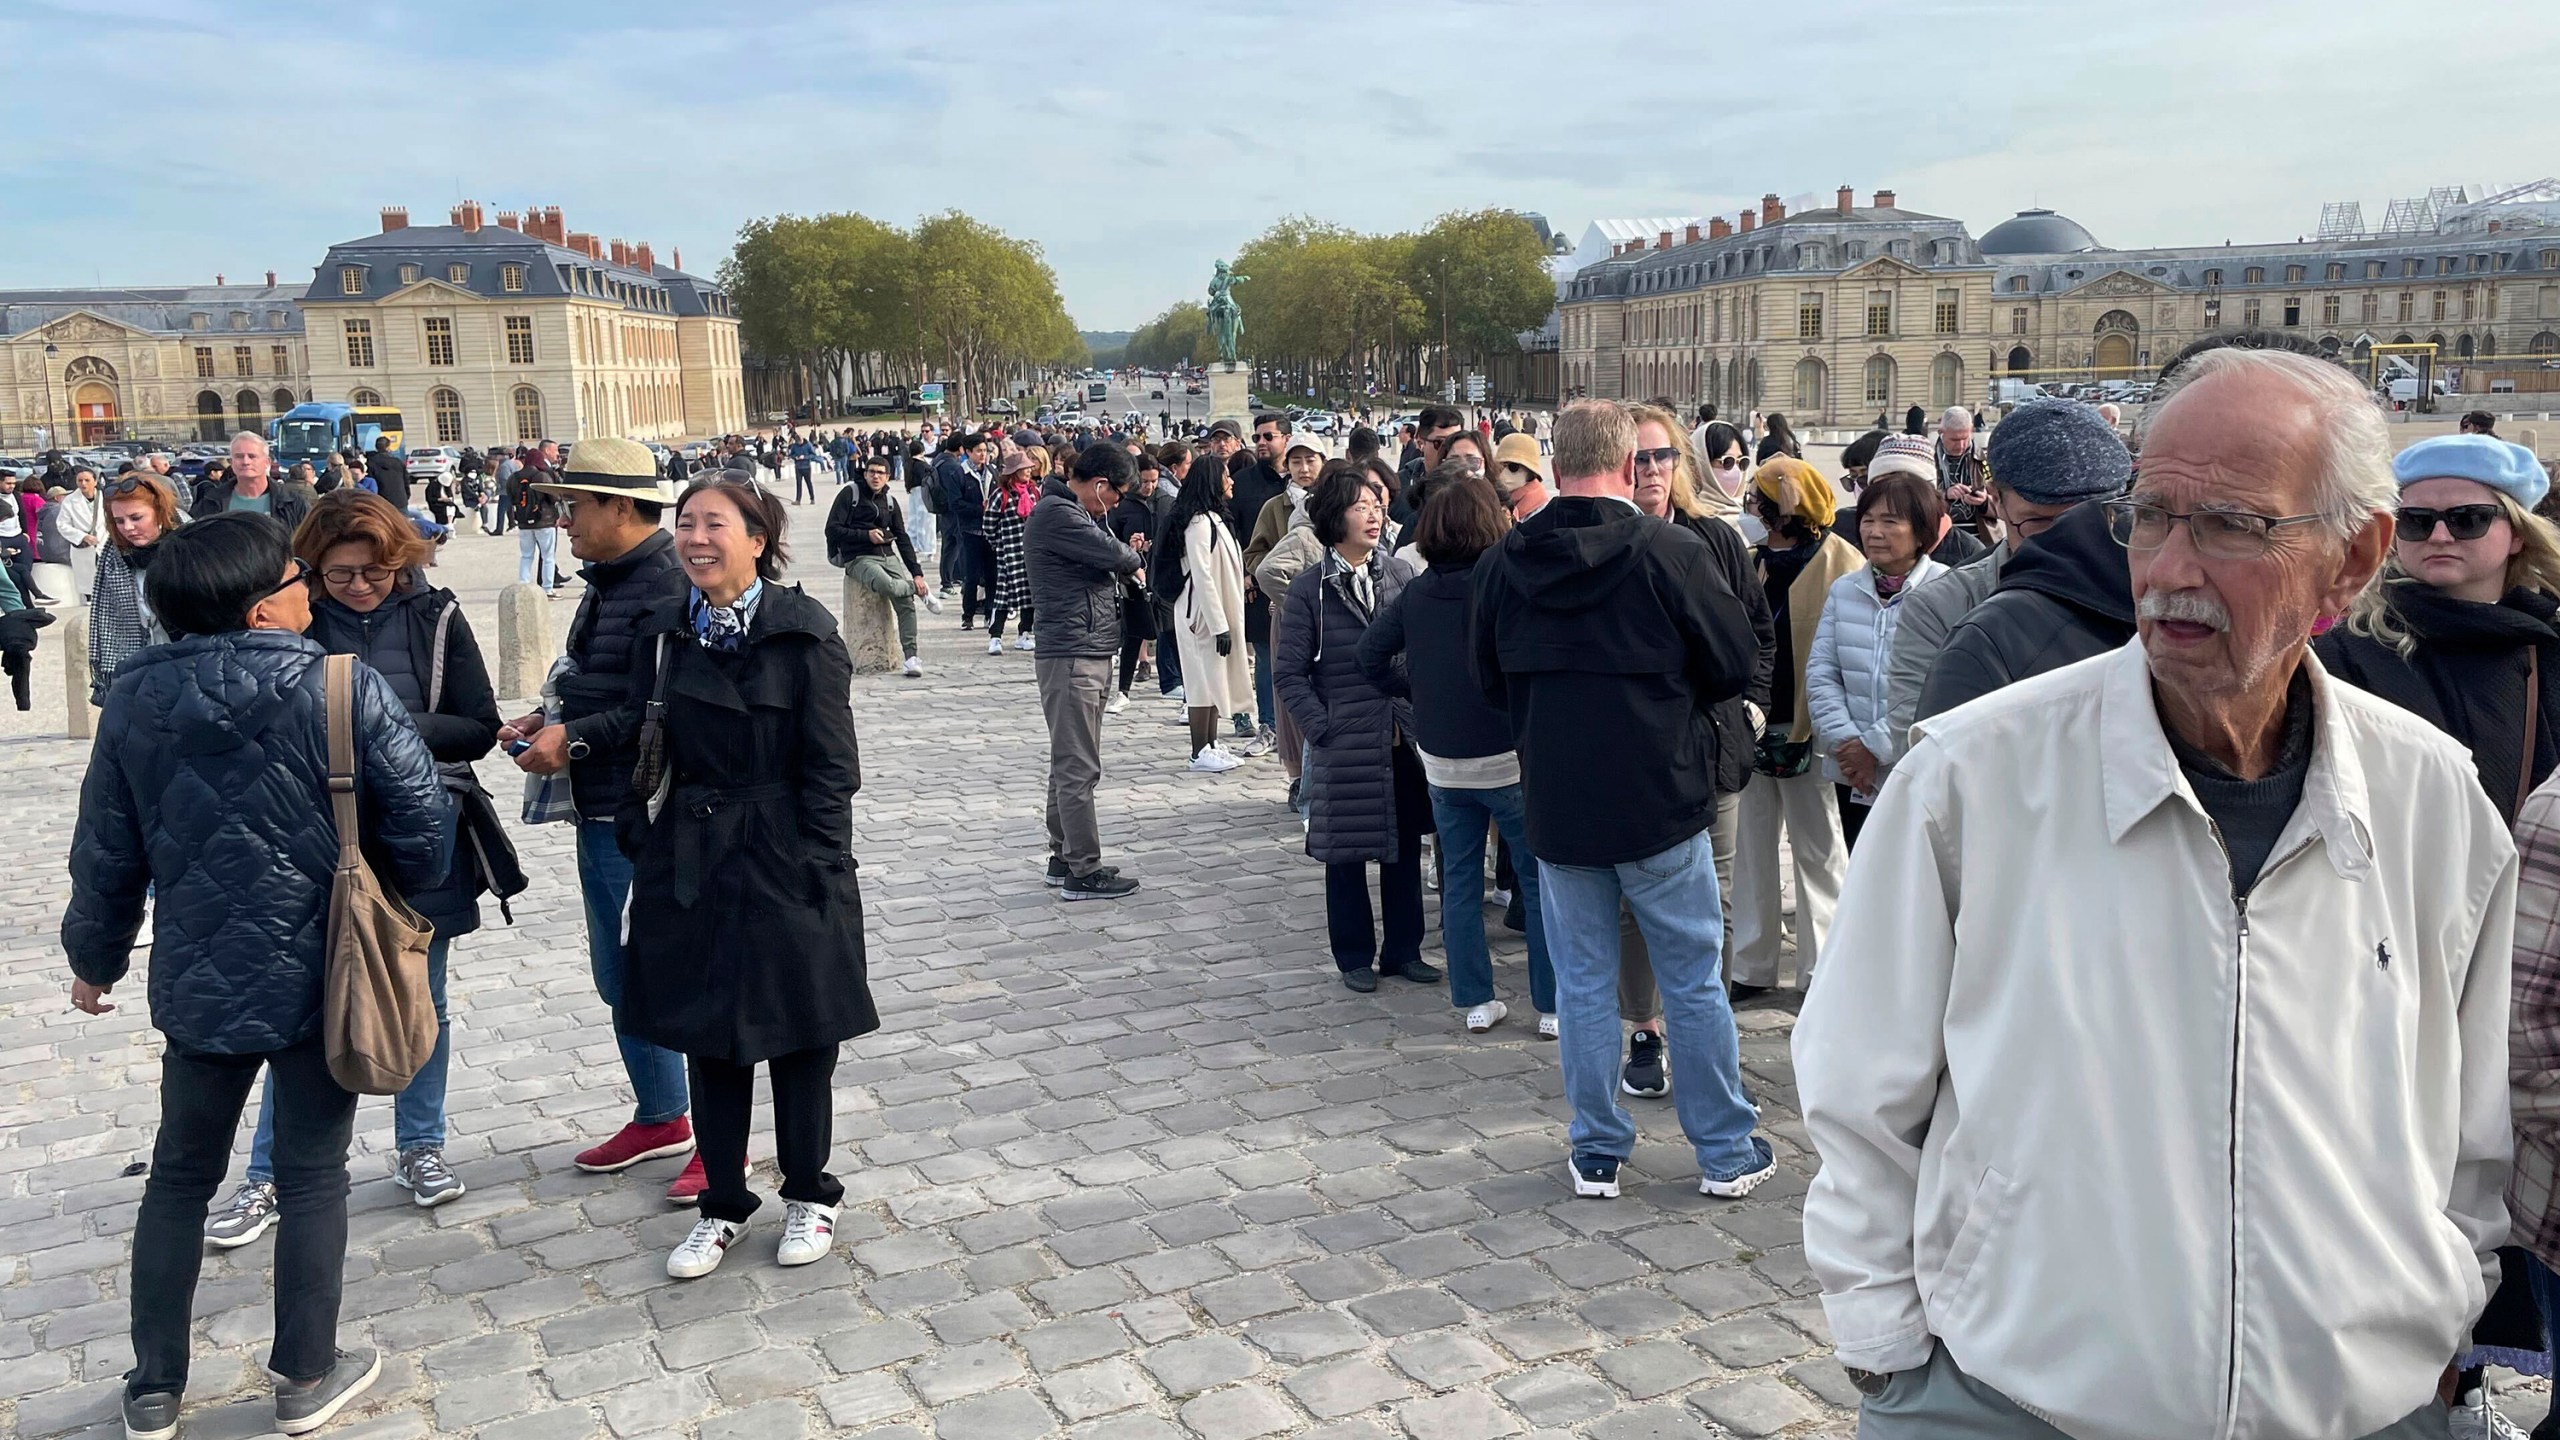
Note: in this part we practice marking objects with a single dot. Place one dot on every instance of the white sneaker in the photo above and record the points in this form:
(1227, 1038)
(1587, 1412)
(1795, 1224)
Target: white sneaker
(1485, 1016)
(995, 646)
(701, 1252)
(1175, 695)
(932, 603)
(1498, 898)
(1546, 1026)
(2475, 1418)
(1025, 643)
(915, 666)
(1118, 702)
(1254, 749)
(808, 1232)
(1213, 761)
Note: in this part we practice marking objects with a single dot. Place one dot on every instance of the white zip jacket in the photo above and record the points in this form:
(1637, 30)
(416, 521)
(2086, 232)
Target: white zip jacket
(2149, 1161)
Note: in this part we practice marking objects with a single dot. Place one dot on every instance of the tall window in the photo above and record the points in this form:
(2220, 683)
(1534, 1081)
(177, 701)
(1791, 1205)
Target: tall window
(1880, 380)
(2293, 310)
(528, 403)
(2408, 304)
(280, 360)
(1942, 317)
(446, 406)
(1809, 319)
(360, 344)
(2017, 284)
(204, 363)
(2369, 308)
(1946, 381)
(2293, 274)
(250, 418)
(2436, 311)
(243, 360)
(519, 339)
(1809, 386)
(350, 279)
(409, 274)
(458, 273)
(2249, 313)
(439, 339)
(2547, 302)
(363, 396)
(2549, 260)
(2212, 314)
(2018, 320)
(2328, 309)
(2213, 277)
(1880, 312)
(2335, 271)
(2254, 275)
(2468, 300)
(511, 279)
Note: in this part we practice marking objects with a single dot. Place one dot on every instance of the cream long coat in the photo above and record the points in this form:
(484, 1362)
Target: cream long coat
(1212, 600)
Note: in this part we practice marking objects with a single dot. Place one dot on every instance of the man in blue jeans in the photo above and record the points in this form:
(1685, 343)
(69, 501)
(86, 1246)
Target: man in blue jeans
(613, 499)
(1610, 637)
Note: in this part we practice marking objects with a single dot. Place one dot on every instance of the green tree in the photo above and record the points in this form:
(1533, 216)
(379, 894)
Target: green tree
(1482, 278)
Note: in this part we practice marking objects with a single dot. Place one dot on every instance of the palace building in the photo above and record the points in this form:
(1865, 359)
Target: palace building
(1836, 313)
(181, 362)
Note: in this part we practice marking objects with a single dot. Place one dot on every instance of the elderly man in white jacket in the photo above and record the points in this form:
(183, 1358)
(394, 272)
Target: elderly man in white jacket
(2158, 1058)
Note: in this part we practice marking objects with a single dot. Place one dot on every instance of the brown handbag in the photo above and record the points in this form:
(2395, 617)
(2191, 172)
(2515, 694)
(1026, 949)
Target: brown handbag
(377, 1016)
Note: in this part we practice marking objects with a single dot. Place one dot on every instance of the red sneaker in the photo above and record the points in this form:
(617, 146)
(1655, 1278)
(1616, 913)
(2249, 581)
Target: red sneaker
(635, 1143)
(687, 1188)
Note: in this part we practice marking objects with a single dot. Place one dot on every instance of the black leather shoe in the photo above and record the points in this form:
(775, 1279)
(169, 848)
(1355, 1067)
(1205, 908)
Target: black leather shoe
(1741, 994)
(1420, 972)
(1364, 981)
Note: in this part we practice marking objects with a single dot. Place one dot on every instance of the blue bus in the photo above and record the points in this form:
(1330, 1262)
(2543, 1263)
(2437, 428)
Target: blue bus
(316, 429)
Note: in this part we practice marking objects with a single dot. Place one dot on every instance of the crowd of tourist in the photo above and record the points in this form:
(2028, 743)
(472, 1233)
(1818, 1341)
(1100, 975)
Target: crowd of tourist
(2184, 1052)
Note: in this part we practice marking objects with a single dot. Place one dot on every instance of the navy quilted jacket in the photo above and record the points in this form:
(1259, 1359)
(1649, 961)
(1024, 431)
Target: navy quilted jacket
(208, 789)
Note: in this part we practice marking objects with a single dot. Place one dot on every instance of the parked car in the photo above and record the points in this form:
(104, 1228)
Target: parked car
(1156, 394)
(431, 462)
(1317, 423)
(1070, 417)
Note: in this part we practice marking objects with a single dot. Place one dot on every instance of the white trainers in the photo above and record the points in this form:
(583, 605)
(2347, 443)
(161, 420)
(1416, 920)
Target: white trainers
(808, 1232)
(1253, 749)
(1500, 899)
(702, 1251)
(1546, 1026)
(1213, 761)
(995, 645)
(1485, 1016)
(915, 666)
(1118, 702)
(1024, 643)
(932, 603)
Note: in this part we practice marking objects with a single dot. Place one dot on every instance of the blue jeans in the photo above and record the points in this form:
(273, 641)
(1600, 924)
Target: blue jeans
(1461, 817)
(1264, 714)
(417, 1112)
(537, 553)
(1673, 895)
(604, 878)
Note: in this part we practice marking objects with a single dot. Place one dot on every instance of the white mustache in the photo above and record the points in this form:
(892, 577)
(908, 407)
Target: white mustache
(2184, 605)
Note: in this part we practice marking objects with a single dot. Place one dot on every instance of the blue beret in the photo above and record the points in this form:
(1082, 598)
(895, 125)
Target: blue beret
(2058, 452)
(2502, 465)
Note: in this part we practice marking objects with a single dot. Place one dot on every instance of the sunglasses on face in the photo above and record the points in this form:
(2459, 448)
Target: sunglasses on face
(1662, 458)
(2462, 522)
(300, 574)
(1730, 462)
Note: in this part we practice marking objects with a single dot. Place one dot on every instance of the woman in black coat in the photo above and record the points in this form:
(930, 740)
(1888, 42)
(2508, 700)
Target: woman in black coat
(1366, 796)
(745, 940)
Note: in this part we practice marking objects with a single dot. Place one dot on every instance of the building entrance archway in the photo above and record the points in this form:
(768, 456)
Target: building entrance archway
(93, 407)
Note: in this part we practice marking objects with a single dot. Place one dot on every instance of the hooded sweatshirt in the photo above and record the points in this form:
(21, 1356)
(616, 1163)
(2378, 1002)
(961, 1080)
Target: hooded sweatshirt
(1610, 637)
(2064, 597)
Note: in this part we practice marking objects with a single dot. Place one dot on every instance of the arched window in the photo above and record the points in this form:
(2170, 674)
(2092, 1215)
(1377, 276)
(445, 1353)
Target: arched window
(1879, 380)
(209, 417)
(284, 401)
(1946, 382)
(2364, 349)
(2545, 343)
(1750, 384)
(2488, 343)
(2328, 344)
(365, 397)
(446, 406)
(2021, 358)
(1808, 396)
(528, 406)
(250, 418)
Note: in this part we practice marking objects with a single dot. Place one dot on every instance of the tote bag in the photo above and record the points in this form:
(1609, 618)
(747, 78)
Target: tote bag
(377, 1018)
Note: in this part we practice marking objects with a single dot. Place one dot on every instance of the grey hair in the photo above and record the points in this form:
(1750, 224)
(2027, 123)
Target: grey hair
(252, 435)
(2355, 482)
(1956, 415)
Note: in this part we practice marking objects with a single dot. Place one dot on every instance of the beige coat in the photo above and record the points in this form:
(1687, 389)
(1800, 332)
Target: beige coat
(1212, 601)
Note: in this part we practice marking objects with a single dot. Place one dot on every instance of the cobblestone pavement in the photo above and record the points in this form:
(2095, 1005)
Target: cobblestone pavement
(1128, 1171)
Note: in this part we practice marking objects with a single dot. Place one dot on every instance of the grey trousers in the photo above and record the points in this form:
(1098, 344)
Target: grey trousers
(1072, 691)
(883, 575)
(1639, 1003)
(1941, 1402)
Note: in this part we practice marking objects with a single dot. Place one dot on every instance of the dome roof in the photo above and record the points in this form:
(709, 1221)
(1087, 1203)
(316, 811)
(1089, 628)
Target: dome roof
(2037, 232)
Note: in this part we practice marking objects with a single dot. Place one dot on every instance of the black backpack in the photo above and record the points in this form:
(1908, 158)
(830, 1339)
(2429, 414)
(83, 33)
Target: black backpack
(528, 508)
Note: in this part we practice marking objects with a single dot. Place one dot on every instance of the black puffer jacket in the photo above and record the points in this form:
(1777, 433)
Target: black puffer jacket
(1426, 627)
(2466, 675)
(286, 501)
(1075, 568)
(597, 703)
(397, 640)
(2065, 596)
(1735, 736)
(208, 790)
(1350, 724)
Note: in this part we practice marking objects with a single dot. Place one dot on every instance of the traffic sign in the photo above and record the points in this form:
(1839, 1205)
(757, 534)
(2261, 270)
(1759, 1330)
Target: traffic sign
(1475, 389)
(929, 395)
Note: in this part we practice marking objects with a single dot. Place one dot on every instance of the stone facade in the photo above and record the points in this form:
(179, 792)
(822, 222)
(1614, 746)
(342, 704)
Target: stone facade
(1838, 314)
(499, 334)
(168, 363)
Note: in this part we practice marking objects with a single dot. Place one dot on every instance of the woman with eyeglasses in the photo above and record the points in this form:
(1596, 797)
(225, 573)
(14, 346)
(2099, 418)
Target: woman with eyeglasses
(1847, 673)
(2462, 633)
(369, 600)
(140, 510)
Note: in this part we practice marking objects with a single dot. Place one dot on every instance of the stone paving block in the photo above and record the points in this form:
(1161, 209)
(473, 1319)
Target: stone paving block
(1747, 1342)
(858, 1403)
(1004, 1415)
(1632, 1311)
(1093, 1390)
(1557, 1395)
(693, 1346)
(656, 1404)
(768, 1420)
(1462, 1415)
(1719, 1290)
(1503, 1285)
(483, 1398)
(967, 1370)
(882, 1342)
(1187, 1367)
(1759, 1405)
(1082, 1290)
(1307, 1335)
(1239, 1412)
(1680, 1245)
(1652, 1368)
(1447, 1360)
(1342, 1387)
(1340, 1278)
(984, 1318)
(1402, 1312)
(566, 1422)
(1064, 1343)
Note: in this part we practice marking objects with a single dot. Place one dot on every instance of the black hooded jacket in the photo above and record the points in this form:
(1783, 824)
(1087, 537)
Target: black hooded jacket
(1610, 638)
(2465, 675)
(2065, 596)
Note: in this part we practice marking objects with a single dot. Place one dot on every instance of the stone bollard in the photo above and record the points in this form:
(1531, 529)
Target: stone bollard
(524, 641)
(82, 717)
(2531, 440)
(870, 629)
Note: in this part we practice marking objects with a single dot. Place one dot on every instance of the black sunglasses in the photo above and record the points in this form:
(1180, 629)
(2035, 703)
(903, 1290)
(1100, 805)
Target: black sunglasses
(2463, 522)
(1661, 458)
(301, 575)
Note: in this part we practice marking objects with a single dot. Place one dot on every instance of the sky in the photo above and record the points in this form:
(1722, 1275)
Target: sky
(164, 141)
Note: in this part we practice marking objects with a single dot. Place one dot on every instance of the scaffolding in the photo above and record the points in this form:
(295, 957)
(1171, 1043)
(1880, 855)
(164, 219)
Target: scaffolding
(2342, 220)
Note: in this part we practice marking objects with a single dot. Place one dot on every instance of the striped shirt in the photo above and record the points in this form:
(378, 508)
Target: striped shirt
(2533, 1045)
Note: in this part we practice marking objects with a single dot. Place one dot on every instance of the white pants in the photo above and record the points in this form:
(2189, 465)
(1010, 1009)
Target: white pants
(1807, 809)
(922, 524)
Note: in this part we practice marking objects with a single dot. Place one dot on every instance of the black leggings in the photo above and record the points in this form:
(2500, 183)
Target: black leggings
(995, 619)
(803, 1085)
(1131, 643)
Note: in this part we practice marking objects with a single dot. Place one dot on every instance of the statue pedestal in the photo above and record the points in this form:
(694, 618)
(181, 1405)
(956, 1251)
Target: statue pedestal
(1231, 392)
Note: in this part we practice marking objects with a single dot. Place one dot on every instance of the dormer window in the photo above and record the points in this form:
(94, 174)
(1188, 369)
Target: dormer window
(350, 279)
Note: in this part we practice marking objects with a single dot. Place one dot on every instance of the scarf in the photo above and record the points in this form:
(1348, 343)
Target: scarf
(724, 627)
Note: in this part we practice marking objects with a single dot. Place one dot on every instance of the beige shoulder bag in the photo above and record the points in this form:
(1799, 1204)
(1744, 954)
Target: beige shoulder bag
(377, 1017)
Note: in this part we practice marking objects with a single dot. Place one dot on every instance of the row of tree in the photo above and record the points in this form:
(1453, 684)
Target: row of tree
(1332, 309)
(849, 303)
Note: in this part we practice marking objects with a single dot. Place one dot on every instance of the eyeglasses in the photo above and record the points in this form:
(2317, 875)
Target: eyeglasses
(1660, 459)
(123, 485)
(2463, 522)
(2217, 534)
(299, 575)
(343, 575)
(1730, 462)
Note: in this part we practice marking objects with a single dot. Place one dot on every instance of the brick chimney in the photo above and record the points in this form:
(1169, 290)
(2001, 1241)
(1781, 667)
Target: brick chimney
(675, 259)
(1884, 199)
(1772, 209)
(1718, 228)
(507, 220)
(1693, 235)
(271, 279)
(643, 260)
(580, 240)
(621, 253)
(394, 217)
(1848, 199)
(554, 229)
(466, 217)
(595, 247)
(1662, 241)
(1747, 218)
(217, 278)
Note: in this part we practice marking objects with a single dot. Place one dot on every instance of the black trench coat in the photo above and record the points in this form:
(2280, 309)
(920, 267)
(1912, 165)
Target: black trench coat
(745, 936)
(1352, 727)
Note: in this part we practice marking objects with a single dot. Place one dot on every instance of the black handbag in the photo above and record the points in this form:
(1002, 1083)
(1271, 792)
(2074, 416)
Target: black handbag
(1780, 758)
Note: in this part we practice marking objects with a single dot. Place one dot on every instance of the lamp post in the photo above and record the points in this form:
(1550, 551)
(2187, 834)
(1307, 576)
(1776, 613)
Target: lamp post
(50, 351)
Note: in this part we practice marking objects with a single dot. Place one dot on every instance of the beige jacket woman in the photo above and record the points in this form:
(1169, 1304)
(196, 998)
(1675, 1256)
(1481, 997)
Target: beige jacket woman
(1212, 603)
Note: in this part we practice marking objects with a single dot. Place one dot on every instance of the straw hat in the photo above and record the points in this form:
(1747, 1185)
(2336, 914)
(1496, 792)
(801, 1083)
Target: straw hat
(609, 465)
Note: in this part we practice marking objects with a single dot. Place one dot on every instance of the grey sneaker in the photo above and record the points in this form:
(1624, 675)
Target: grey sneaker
(151, 1417)
(303, 1406)
(251, 1210)
(423, 1173)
